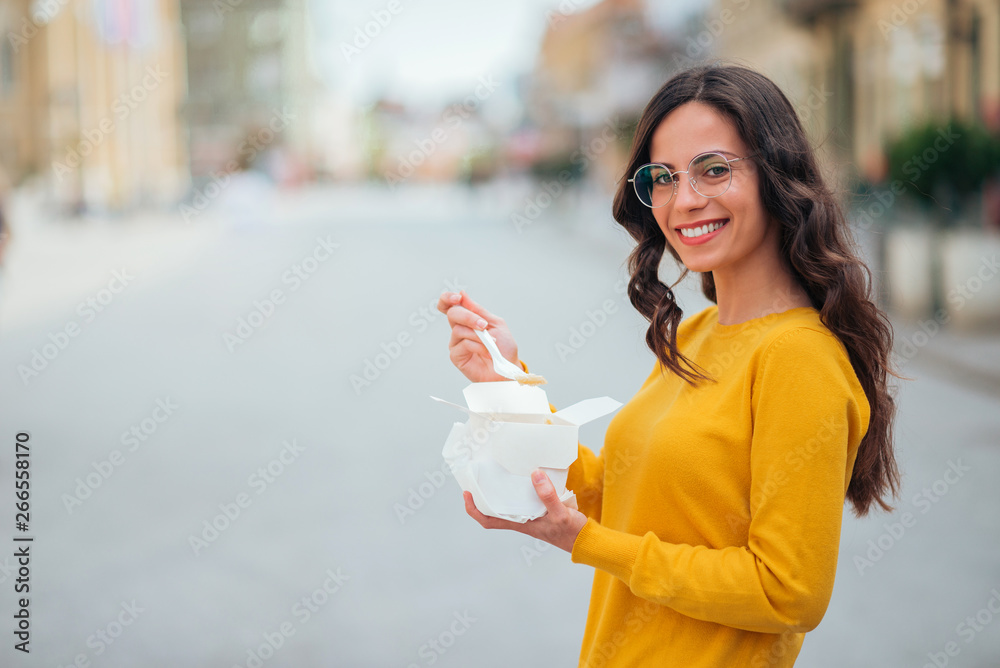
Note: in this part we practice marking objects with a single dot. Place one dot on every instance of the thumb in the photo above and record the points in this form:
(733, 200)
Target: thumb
(546, 490)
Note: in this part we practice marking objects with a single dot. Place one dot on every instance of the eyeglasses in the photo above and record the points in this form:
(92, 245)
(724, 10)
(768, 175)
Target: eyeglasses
(709, 173)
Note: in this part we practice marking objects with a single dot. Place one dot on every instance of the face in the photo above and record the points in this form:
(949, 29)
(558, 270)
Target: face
(690, 130)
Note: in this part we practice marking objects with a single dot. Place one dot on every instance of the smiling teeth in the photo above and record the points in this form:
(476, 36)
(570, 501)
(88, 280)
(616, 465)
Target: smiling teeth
(692, 232)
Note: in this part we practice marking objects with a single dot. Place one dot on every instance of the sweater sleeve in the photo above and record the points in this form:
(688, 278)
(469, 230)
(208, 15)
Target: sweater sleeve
(809, 414)
(586, 479)
(586, 476)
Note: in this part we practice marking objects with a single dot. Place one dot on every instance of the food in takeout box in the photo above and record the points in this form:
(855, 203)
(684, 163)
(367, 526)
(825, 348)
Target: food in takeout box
(511, 432)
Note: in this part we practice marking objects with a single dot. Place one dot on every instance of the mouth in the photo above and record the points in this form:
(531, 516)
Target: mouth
(701, 233)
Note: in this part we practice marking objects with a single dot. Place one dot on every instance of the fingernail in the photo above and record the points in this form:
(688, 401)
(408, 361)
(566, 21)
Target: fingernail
(481, 323)
(456, 297)
(537, 476)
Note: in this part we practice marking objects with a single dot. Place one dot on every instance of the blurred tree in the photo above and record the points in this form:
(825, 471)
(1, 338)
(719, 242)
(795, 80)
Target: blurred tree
(945, 167)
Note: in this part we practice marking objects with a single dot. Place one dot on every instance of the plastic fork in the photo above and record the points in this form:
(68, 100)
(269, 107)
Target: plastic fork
(505, 367)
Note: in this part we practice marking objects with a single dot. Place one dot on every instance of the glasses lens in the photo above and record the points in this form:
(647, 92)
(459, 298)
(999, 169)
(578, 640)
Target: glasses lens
(654, 185)
(711, 173)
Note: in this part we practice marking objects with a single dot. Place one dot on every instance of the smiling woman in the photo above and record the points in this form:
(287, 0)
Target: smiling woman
(717, 543)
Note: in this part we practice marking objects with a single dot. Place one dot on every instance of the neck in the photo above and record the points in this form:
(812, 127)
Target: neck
(758, 285)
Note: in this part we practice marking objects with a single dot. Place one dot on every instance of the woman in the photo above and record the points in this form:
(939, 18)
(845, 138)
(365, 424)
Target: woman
(713, 512)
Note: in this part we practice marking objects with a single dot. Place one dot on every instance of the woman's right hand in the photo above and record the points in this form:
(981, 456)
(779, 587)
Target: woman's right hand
(467, 352)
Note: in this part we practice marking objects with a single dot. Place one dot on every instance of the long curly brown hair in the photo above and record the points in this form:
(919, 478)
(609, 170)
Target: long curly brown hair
(815, 239)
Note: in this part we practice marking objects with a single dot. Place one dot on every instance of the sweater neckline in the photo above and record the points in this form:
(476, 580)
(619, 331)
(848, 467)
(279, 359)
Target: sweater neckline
(718, 329)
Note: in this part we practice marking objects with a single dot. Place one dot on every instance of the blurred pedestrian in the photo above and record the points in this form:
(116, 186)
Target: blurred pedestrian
(247, 200)
(712, 515)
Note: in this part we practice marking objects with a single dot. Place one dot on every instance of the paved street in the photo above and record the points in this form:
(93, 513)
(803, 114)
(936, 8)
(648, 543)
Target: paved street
(233, 446)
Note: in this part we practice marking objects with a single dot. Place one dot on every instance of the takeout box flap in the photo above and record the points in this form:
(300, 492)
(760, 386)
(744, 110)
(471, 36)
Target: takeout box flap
(584, 411)
(461, 408)
(521, 448)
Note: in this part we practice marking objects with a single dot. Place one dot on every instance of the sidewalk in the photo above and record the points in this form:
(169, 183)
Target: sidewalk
(971, 359)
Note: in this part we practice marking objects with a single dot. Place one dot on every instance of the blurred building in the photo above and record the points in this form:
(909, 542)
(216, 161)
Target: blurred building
(861, 71)
(410, 146)
(21, 67)
(91, 89)
(596, 70)
(252, 86)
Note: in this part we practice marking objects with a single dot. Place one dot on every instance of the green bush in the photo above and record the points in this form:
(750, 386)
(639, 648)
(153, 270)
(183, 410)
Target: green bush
(942, 164)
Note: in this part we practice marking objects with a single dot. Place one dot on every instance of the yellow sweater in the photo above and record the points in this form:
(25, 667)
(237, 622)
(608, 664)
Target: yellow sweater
(714, 513)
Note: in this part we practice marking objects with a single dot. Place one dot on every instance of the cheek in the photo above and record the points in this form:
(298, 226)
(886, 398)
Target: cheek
(662, 217)
(661, 222)
(749, 216)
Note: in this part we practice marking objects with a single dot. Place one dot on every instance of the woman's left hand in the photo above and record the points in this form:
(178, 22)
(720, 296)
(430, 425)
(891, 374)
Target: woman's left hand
(559, 526)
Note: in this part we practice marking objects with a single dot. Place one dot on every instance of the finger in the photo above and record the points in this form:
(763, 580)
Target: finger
(479, 309)
(547, 492)
(460, 333)
(447, 300)
(467, 349)
(459, 315)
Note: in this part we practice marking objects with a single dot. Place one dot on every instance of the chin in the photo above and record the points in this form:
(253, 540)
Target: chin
(700, 265)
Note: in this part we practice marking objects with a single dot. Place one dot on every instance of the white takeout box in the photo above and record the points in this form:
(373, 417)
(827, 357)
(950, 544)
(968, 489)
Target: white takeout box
(510, 432)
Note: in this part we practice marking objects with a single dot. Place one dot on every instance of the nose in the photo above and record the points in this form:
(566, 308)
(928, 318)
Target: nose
(686, 197)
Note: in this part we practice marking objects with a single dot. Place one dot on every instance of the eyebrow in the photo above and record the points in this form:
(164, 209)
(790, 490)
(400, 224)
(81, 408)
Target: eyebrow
(711, 150)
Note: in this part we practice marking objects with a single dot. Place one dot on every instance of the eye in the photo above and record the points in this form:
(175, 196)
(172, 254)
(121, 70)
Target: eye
(717, 170)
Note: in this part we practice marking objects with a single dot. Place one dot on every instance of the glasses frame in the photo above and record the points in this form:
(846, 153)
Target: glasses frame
(691, 179)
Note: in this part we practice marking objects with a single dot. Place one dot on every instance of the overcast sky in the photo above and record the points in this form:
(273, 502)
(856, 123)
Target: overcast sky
(431, 50)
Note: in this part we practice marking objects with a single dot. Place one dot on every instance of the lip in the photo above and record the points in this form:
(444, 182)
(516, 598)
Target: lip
(703, 238)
